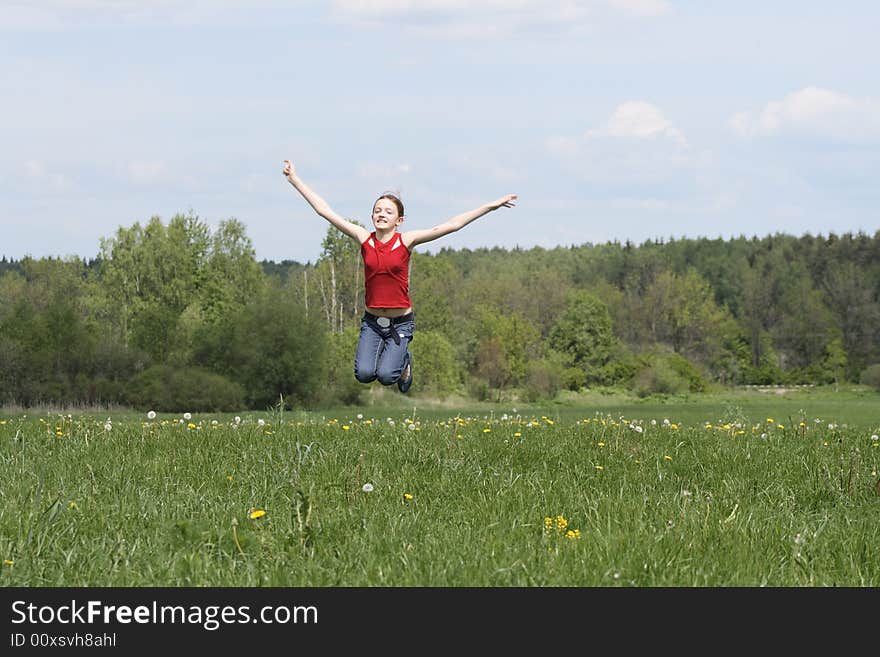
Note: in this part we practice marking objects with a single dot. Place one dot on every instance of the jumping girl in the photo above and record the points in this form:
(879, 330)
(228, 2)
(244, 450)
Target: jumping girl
(387, 324)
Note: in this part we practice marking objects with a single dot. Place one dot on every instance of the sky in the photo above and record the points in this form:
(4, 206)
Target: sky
(612, 120)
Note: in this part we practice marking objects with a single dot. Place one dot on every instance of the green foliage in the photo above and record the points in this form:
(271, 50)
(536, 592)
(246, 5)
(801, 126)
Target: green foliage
(772, 310)
(544, 378)
(504, 345)
(167, 389)
(273, 350)
(871, 376)
(667, 374)
(583, 335)
(659, 378)
(341, 386)
(435, 365)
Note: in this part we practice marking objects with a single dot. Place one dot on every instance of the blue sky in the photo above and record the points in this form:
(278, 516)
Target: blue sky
(612, 119)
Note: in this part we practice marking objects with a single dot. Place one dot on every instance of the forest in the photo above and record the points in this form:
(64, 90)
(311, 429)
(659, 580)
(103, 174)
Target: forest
(174, 315)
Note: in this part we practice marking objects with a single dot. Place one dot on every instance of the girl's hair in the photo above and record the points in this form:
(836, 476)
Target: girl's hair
(394, 198)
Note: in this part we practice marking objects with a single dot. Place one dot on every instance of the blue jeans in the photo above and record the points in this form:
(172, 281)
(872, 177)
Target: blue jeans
(378, 355)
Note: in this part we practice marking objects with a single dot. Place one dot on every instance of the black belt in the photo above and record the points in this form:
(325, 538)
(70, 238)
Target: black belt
(383, 325)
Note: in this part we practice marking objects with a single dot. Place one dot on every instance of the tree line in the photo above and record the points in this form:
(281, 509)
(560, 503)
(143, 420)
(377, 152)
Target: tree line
(174, 316)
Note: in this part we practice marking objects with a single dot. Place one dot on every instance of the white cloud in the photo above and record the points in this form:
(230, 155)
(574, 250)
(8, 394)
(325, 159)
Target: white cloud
(61, 14)
(813, 111)
(469, 18)
(40, 178)
(374, 171)
(145, 172)
(642, 7)
(637, 119)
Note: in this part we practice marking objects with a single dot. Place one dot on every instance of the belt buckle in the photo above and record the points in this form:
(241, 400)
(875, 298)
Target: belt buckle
(384, 322)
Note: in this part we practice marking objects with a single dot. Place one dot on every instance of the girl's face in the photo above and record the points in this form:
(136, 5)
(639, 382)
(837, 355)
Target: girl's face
(385, 214)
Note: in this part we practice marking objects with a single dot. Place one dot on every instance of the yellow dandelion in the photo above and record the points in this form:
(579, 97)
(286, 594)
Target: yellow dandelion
(770, 420)
(601, 444)
(407, 496)
(59, 432)
(600, 467)
(345, 427)
(256, 513)
(802, 424)
(229, 477)
(72, 504)
(561, 522)
(549, 421)
(573, 533)
(517, 434)
(548, 523)
(667, 457)
(8, 562)
(487, 430)
(780, 426)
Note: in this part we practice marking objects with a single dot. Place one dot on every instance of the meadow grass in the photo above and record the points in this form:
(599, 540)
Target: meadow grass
(500, 498)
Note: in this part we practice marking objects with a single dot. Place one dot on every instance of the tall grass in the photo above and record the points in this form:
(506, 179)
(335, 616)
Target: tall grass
(503, 499)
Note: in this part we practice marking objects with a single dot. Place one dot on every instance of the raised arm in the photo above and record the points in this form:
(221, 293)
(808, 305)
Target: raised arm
(413, 237)
(357, 233)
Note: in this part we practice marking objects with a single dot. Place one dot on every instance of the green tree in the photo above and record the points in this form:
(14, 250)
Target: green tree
(583, 334)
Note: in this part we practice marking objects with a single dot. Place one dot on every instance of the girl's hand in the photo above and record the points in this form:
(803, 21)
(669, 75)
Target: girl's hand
(504, 202)
(288, 169)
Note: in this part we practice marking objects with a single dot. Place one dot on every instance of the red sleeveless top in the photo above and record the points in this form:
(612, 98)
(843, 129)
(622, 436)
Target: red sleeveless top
(386, 273)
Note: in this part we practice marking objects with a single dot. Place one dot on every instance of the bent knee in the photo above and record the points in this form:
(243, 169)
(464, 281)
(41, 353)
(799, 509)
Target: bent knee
(364, 376)
(387, 378)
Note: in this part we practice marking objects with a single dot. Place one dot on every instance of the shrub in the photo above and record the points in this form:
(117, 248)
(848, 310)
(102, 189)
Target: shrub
(543, 380)
(871, 376)
(434, 363)
(166, 389)
(659, 378)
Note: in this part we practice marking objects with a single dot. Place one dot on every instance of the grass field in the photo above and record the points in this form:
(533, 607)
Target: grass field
(742, 489)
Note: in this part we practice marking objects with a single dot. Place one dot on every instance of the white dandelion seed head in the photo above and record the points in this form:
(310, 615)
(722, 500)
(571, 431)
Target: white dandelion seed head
(639, 429)
(686, 493)
(653, 423)
(187, 416)
(798, 539)
(151, 415)
(360, 416)
(411, 427)
(665, 422)
(875, 437)
(764, 435)
(261, 422)
(213, 423)
(237, 420)
(367, 487)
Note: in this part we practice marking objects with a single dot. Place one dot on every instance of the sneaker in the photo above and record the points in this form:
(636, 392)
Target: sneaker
(406, 377)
